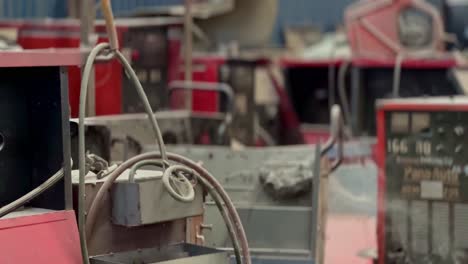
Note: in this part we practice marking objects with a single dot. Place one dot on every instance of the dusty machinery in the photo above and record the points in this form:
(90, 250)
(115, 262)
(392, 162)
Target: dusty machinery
(398, 50)
(151, 44)
(422, 209)
(35, 158)
(387, 29)
(37, 220)
(281, 194)
(125, 215)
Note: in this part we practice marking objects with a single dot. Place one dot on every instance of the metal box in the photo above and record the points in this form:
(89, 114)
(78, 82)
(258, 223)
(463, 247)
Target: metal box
(129, 132)
(176, 254)
(264, 217)
(146, 201)
(34, 126)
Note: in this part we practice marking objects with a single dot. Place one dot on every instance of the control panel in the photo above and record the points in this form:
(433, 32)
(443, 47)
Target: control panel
(424, 198)
(148, 47)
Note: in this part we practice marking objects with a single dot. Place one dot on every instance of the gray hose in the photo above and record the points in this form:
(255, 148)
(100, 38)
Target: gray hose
(343, 95)
(97, 203)
(92, 214)
(81, 133)
(138, 165)
(81, 147)
(397, 76)
(224, 214)
(32, 194)
(168, 173)
(146, 104)
(212, 193)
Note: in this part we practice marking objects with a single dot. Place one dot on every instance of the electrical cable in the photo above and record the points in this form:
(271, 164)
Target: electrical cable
(98, 49)
(83, 227)
(146, 104)
(97, 203)
(86, 225)
(81, 147)
(167, 175)
(397, 76)
(342, 91)
(138, 165)
(32, 194)
(227, 220)
(211, 192)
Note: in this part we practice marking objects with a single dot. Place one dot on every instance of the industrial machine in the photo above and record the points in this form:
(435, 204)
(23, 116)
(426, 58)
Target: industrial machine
(387, 29)
(151, 44)
(125, 214)
(253, 103)
(35, 192)
(398, 50)
(281, 198)
(37, 197)
(422, 211)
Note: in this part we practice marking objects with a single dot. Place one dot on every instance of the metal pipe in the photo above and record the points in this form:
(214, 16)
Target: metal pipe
(337, 137)
(86, 30)
(188, 49)
(205, 86)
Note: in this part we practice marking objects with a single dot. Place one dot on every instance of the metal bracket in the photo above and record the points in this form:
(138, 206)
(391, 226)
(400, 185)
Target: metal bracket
(337, 137)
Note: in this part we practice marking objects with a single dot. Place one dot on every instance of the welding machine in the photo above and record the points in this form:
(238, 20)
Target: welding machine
(37, 222)
(423, 181)
(152, 46)
(387, 28)
(254, 101)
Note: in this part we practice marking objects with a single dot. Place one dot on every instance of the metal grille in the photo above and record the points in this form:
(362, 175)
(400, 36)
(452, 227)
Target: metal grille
(460, 226)
(399, 217)
(440, 229)
(419, 226)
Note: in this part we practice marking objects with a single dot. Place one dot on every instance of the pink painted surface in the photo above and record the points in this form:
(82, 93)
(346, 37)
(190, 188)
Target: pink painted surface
(346, 236)
(40, 239)
(40, 57)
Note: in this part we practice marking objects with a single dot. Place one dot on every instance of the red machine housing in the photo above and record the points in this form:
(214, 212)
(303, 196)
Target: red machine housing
(53, 236)
(204, 69)
(152, 44)
(373, 28)
(35, 144)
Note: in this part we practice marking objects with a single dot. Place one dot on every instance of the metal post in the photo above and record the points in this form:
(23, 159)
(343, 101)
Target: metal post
(73, 11)
(188, 50)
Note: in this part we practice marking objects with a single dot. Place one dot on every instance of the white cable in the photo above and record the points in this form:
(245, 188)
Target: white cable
(32, 194)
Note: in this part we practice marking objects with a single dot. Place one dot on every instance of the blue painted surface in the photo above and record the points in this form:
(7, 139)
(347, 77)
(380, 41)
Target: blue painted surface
(297, 12)
(324, 14)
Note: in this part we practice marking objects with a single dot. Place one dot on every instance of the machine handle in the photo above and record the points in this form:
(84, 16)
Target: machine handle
(205, 86)
(337, 136)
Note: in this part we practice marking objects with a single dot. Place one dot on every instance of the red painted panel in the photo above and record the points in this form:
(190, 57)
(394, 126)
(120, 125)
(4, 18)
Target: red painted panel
(40, 239)
(108, 75)
(205, 69)
(65, 34)
(380, 155)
